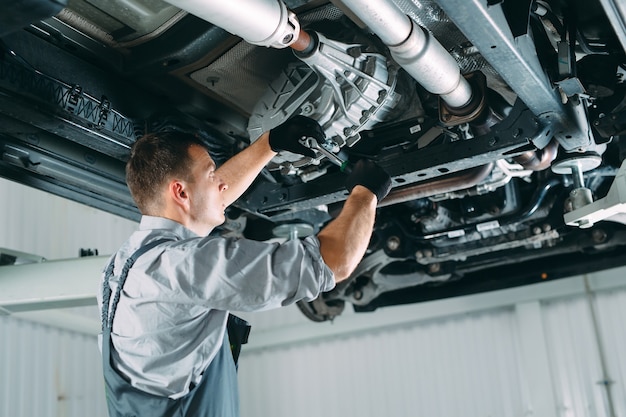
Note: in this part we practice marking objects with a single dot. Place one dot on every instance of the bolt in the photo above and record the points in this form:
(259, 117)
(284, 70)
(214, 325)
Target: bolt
(434, 268)
(419, 255)
(287, 38)
(598, 236)
(307, 109)
(358, 294)
(536, 230)
(547, 227)
(428, 253)
(492, 141)
(584, 224)
(393, 243)
(89, 158)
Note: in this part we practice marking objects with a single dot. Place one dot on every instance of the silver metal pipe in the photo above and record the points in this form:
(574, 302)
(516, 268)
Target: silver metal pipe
(426, 60)
(259, 22)
(415, 49)
(384, 18)
(616, 12)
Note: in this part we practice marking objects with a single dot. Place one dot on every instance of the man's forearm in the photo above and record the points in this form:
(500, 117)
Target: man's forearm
(240, 171)
(344, 241)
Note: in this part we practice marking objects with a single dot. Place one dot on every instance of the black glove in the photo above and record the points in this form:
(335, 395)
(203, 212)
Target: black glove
(370, 176)
(285, 137)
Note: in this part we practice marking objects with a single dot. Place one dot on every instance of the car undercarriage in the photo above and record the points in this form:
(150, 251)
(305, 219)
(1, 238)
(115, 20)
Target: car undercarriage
(498, 121)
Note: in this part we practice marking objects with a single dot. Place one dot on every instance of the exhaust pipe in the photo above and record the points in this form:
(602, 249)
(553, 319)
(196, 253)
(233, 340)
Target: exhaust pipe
(259, 22)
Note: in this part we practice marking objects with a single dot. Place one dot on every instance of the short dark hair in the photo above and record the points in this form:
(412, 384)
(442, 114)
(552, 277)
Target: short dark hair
(155, 158)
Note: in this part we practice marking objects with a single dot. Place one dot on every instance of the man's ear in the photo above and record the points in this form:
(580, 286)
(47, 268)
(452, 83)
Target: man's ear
(177, 192)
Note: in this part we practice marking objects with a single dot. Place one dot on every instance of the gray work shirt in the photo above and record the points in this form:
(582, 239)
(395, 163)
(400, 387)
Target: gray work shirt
(171, 317)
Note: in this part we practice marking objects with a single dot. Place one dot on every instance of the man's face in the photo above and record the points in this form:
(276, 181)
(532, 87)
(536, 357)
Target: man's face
(205, 192)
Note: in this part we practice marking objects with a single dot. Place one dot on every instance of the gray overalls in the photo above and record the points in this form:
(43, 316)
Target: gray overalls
(215, 396)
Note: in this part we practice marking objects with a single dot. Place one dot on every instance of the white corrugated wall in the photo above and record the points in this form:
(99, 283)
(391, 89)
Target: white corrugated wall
(46, 371)
(460, 366)
(581, 357)
(531, 351)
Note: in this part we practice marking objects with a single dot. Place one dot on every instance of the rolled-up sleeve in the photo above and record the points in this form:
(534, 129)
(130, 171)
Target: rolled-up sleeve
(245, 275)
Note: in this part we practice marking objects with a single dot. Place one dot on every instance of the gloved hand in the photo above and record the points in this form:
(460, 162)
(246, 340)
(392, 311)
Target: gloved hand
(285, 137)
(368, 174)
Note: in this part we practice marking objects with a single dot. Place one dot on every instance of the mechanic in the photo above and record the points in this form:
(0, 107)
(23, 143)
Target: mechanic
(168, 351)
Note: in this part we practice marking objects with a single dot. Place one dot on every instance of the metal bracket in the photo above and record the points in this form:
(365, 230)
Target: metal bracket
(515, 59)
(607, 208)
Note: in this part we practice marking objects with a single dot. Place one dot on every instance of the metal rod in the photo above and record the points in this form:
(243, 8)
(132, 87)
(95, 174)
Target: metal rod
(577, 174)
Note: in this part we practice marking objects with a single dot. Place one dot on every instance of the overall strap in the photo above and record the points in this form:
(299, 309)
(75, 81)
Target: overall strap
(107, 322)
